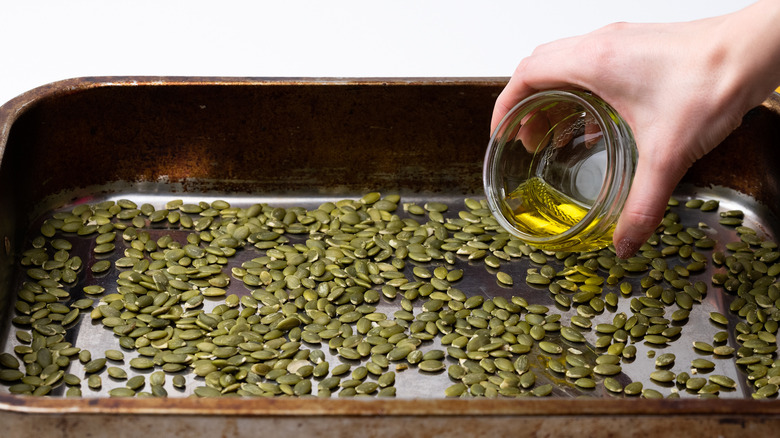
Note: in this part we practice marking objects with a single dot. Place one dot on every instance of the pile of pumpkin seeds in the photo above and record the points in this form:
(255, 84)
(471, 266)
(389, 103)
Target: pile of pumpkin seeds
(272, 301)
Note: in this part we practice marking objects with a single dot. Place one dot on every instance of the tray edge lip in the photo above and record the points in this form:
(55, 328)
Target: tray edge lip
(85, 82)
(11, 110)
(441, 407)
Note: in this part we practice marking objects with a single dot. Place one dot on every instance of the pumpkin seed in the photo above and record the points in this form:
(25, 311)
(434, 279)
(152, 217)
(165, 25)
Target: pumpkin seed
(504, 278)
(666, 359)
(136, 382)
(121, 392)
(205, 391)
(662, 376)
(633, 388)
(542, 390)
(94, 366)
(723, 381)
(612, 385)
(550, 347)
(100, 266)
(718, 318)
(141, 363)
(766, 391)
(117, 373)
(114, 355)
(702, 364)
(431, 365)
(607, 369)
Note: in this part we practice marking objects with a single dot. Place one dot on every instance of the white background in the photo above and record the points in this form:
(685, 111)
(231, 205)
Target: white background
(47, 40)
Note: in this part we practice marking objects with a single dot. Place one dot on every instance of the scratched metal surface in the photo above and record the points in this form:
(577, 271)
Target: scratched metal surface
(477, 280)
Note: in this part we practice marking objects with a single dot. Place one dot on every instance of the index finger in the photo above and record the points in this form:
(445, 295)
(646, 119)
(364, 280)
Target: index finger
(515, 91)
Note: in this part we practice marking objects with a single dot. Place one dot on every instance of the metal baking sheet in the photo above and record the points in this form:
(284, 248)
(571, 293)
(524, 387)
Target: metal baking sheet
(300, 143)
(478, 279)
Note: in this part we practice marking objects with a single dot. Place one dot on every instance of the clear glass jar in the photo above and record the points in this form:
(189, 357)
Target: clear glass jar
(558, 170)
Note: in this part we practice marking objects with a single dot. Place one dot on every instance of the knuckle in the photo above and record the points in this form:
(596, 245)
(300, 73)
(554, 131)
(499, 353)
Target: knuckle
(643, 220)
(617, 26)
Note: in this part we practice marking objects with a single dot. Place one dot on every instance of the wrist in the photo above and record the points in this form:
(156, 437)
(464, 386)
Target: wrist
(748, 43)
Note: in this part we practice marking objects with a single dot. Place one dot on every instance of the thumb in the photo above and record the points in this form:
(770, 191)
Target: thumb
(645, 206)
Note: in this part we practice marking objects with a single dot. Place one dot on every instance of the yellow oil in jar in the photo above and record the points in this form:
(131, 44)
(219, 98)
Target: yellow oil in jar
(540, 210)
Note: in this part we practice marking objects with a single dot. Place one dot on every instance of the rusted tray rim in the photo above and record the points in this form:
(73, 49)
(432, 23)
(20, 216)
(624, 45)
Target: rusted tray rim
(393, 407)
(11, 110)
(72, 85)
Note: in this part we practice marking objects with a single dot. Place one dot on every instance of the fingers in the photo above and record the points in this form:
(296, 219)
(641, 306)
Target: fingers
(534, 131)
(593, 133)
(515, 91)
(565, 121)
(653, 184)
(546, 68)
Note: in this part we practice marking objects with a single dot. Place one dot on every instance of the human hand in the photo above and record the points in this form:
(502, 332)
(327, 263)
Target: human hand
(681, 87)
(556, 126)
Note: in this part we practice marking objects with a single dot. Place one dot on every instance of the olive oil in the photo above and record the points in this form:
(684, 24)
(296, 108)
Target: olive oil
(539, 209)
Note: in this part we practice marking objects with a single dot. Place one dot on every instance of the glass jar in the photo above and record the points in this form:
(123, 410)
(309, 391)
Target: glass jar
(558, 170)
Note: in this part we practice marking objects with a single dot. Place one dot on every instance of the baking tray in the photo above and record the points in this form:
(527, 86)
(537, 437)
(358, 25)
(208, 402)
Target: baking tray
(289, 142)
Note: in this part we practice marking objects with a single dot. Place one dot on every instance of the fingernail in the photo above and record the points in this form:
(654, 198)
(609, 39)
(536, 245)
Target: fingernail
(627, 247)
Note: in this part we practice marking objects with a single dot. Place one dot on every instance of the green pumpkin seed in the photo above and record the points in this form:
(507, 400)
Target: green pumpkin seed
(694, 203)
(723, 381)
(662, 376)
(179, 381)
(666, 359)
(542, 390)
(718, 318)
(612, 385)
(367, 387)
(550, 347)
(607, 369)
(340, 369)
(10, 375)
(585, 383)
(205, 391)
(651, 393)
(386, 379)
(94, 365)
(7, 360)
(302, 388)
(504, 278)
(710, 388)
(121, 392)
(702, 364)
(100, 266)
(142, 363)
(114, 355)
(695, 383)
(93, 290)
(723, 350)
(431, 365)
(578, 372)
(455, 390)
(766, 391)
(390, 391)
(136, 382)
(633, 388)
(536, 279)
(117, 373)
(656, 339)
